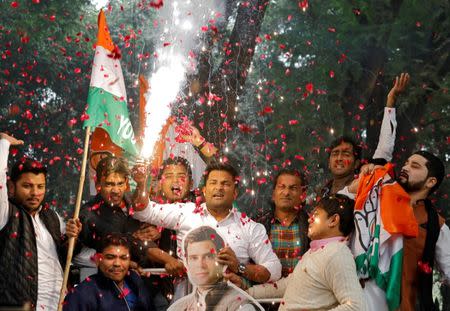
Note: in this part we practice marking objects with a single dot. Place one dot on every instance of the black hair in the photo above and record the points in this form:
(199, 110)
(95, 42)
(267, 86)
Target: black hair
(357, 150)
(26, 165)
(110, 165)
(343, 206)
(292, 172)
(175, 161)
(219, 166)
(435, 167)
(113, 239)
(203, 233)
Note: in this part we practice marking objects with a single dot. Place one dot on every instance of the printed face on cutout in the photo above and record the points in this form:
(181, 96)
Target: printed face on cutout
(202, 266)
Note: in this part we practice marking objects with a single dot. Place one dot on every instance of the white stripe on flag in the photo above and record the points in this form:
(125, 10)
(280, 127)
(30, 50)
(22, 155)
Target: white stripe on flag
(107, 73)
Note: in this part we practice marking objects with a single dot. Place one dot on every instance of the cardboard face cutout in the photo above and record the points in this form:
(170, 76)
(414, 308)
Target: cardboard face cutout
(211, 292)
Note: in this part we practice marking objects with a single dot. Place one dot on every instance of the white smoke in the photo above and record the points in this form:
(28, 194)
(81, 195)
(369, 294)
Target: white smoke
(181, 24)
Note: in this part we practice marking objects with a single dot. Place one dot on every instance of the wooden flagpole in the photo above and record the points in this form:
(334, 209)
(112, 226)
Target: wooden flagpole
(75, 216)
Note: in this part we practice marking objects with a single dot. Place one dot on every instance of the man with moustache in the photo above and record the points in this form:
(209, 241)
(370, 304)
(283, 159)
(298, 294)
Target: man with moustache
(345, 154)
(287, 223)
(421, 176)
(246, 240)
(33, 240)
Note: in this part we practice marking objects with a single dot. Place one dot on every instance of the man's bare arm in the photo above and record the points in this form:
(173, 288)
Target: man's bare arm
(253, 272)
(400, 84)
(140, 174)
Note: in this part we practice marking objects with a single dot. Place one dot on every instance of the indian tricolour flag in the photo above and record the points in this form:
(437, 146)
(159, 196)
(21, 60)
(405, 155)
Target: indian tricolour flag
(383, 216)
(107, 99)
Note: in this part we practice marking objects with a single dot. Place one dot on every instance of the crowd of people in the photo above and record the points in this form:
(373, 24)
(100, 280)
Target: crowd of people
(214, 256)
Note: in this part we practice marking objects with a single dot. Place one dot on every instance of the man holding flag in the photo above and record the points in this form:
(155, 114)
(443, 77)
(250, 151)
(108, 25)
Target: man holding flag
(399, 235)
(33, 239)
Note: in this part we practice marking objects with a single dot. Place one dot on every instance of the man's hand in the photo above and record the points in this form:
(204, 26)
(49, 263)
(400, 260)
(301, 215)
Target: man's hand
(235, 279)
(73, 228)
(399, 87)
(135, 266)
(13, 141)
(194, 137)
(366, 169)
(140, 173)
(175, 267)
(353, 187)
(147, 232)
(226, 256)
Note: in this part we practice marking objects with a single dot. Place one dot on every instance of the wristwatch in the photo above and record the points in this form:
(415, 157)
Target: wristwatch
(241, 268)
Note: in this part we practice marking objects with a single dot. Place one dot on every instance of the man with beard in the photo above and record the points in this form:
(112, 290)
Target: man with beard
(420, 176)
(33, 240)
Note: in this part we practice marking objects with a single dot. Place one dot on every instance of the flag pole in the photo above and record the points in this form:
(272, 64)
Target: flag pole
(75, 215)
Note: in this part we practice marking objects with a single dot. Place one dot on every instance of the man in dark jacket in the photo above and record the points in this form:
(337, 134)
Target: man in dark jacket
(114, 287)
(110, 212)
(32, 246)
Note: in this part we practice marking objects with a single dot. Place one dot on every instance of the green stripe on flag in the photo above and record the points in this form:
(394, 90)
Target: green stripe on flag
(391, 280)
(111, 114)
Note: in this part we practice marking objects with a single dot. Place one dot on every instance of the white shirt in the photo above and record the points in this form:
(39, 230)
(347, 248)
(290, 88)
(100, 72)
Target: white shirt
(50, 274)
(442, 253)
(386, 140)
(247, 238)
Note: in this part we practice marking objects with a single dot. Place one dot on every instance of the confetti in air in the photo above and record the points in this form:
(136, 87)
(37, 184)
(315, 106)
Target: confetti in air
(181, 24)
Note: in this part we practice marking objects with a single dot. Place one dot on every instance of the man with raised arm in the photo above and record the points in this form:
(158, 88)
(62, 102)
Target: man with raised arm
(110, 212)
(420, 176)
(345, 154)
(248, 252)
(32, 237)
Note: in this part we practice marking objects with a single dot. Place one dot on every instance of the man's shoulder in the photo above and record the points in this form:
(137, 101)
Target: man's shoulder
(181, 205)
(94, 204)
(247, 223)
(235, 298)
(183, 303)
(89, 286)
(338, 250)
